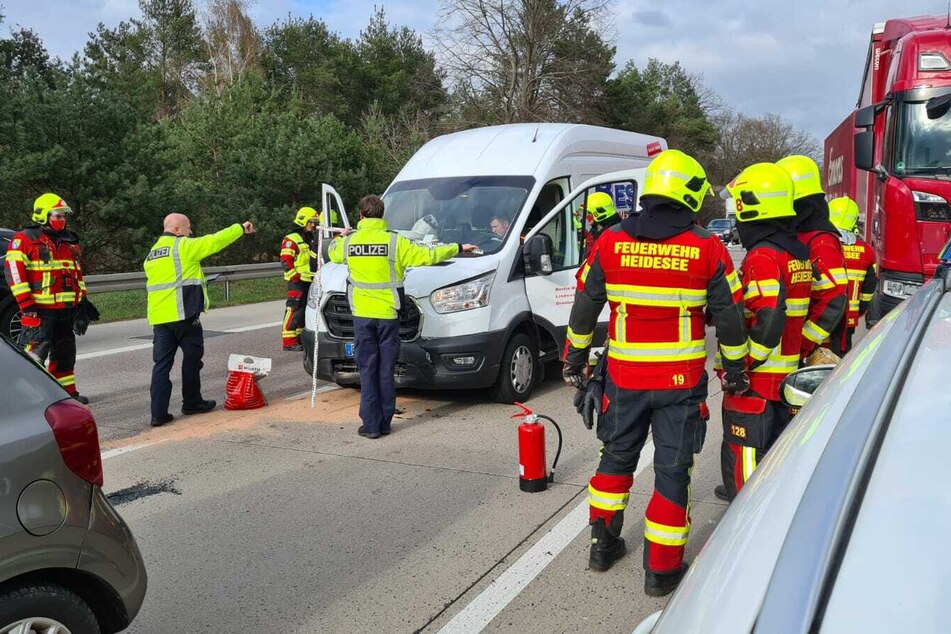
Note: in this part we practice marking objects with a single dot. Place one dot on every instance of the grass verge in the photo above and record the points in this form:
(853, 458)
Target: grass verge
(123, 305)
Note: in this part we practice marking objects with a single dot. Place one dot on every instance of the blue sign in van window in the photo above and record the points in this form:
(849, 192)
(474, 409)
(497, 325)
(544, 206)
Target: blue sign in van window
(622, 193)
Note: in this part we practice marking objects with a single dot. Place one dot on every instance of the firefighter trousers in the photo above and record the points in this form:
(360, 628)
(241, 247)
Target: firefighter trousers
(751, 426)
(54, 341)
(676, 420)
(293, 324)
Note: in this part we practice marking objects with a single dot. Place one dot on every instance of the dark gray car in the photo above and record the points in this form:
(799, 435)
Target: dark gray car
(844, 526)
(68, 562)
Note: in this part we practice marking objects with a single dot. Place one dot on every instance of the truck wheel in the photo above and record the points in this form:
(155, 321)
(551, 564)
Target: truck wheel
(45, 607)
(518, 371)
(10, 322)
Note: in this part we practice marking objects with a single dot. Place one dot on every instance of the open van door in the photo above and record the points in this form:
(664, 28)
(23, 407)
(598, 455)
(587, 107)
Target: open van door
(332, 214)
(554, 248)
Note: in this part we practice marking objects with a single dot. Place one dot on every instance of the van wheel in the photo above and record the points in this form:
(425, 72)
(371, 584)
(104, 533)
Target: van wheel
(518, 371)
(45, 608)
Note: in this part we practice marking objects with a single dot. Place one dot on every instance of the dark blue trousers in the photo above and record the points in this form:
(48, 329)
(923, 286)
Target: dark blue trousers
(376, 349)
(166, 340)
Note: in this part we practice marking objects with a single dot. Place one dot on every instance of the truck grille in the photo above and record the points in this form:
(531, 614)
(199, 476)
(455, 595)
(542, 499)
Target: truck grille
(339, 319)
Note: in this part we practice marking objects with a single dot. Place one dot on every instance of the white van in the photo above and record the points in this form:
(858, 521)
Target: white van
(484, 320)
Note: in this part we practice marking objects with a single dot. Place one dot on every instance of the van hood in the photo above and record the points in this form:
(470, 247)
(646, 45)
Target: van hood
(420, 281)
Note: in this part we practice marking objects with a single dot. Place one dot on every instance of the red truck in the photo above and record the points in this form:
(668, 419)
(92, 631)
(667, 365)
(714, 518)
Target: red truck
(892, 154)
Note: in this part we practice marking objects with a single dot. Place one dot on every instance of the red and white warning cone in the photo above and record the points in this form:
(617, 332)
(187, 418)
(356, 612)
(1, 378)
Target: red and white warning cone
(242, 391)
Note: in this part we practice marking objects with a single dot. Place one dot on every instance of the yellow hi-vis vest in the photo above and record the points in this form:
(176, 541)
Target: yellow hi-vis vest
(302, 258)
(174, 279)
(377, 261)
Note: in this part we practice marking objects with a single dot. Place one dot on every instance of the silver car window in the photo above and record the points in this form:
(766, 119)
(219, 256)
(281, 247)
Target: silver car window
(23, 385)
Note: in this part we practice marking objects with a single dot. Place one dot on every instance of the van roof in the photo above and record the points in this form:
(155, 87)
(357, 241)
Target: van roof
(521, 149)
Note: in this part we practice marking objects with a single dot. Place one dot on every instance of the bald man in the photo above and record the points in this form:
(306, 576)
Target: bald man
(177, 297)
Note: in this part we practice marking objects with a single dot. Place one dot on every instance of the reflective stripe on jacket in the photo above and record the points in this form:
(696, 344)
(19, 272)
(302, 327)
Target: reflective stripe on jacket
(43, 271)
(377, 260)
(296, 258)
(174, 279)
(827, 304)
(658, 291)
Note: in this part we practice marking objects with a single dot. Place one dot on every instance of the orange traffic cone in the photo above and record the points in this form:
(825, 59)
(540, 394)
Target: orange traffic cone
(242, 391)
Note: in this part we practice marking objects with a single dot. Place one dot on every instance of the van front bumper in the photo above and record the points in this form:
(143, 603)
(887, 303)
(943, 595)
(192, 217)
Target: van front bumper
(464, 362)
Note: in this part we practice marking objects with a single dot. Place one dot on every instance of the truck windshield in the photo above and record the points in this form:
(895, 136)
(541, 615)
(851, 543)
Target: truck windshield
(480, 210)
(922, 145)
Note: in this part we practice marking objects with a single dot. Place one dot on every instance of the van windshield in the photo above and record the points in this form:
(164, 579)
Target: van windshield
(719, 224)
(480, 210)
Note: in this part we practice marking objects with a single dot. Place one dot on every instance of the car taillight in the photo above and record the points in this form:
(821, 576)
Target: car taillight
(77, 438)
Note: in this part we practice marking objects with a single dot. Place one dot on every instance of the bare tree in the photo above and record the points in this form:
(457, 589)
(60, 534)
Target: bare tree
(745, 140)
(234, 44)
(527, 60)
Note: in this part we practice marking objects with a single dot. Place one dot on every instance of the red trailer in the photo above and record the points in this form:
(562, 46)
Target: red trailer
(892, 154)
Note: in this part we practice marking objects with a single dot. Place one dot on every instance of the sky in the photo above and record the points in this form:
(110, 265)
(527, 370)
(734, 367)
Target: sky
(802, 60)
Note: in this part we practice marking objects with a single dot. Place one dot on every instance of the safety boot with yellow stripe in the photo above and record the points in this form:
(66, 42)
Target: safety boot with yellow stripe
(607, 546)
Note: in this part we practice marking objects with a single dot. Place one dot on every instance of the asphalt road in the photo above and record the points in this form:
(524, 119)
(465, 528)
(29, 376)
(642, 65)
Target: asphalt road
(283, 519)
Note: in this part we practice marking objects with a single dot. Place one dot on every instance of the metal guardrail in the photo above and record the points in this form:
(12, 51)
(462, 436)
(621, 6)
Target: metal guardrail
(109, 282)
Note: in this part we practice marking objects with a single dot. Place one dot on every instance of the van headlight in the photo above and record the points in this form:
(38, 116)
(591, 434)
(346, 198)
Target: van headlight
(465, 296)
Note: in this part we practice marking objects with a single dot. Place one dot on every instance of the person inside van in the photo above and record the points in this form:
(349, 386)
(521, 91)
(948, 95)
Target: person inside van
(499, 225)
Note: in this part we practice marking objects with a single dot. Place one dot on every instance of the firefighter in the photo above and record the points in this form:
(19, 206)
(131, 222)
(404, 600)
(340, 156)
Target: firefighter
(859, 268)
(176, 299)
(828, 300)
(658, 272)
(376, 259)
(777, 281)
(601, 216)
(44, 269)
(297, 260)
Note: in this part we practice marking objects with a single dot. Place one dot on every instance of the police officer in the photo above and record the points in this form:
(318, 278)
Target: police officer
(828, 301)
(859, 268)
(297, 261)
(658, 271)
(177, 297)
(376, 260)
(777, 281)
(44, 269)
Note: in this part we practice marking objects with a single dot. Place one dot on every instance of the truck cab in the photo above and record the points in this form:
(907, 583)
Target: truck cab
(484, 320)
(893, 154)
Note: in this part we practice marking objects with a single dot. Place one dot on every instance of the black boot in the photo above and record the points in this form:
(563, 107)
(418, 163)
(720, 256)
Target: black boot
(607, 546)
(660, 584)
(721, 492)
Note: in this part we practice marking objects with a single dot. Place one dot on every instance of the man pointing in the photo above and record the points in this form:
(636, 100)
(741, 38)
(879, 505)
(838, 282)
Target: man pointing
(177, 297)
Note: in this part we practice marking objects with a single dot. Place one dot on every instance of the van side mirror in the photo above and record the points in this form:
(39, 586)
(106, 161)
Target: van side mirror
(537, 254)
(797, 388)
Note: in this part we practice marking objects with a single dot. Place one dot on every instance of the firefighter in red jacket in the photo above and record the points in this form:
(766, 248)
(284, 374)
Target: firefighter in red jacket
(297, 260)
(828, 300)
(859, 267)
(44, 269)
(777, 281)
(658, 271)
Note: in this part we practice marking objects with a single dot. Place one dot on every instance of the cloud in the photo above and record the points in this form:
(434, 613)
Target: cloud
(652, 18)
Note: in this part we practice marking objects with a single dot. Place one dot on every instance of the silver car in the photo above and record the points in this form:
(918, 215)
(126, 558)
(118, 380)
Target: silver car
(68, 562)
(845, 526)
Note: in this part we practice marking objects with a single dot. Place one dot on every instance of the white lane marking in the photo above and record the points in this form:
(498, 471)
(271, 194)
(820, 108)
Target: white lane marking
(323, 388)
(106, 353)
(146, 346)
(118, 451)
(502, 590)
(270, 324)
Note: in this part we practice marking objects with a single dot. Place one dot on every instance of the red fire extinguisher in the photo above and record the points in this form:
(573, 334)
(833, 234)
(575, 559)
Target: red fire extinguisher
(531, 451)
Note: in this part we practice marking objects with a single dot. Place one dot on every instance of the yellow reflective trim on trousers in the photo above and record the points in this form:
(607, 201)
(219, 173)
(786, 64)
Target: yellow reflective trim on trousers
(628, 351)
(734, 352)
(866, 297)
(66, 381)
(748, 457)
(579, 340)
(665, 535)
(607, 501)
(758, 351)
(655, 295)
(779, 364)
(814, 333)
(734, 281)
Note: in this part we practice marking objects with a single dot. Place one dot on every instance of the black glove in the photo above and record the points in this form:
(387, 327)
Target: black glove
(85, 314)
(574, 375)
(736, 383)
(588, 402)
